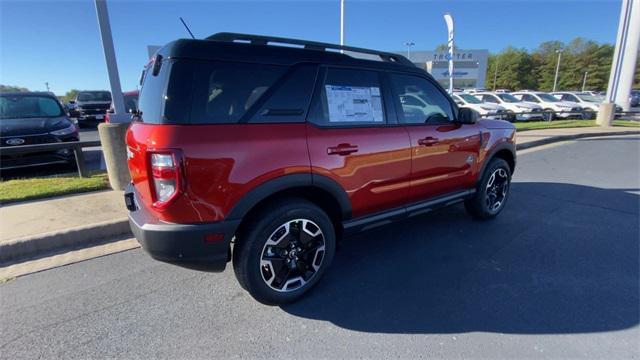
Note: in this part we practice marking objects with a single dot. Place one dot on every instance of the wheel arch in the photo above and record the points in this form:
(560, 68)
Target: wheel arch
(505, 151)
(318, 189)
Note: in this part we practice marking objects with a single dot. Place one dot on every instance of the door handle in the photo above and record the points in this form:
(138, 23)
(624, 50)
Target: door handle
(428, 141)
(342, 149)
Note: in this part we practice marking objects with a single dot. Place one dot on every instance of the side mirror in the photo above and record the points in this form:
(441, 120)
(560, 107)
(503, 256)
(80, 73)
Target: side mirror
(467, 116)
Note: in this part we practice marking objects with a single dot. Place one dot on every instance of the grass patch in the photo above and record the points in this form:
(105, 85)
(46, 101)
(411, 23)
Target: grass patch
(44, 187)
(559, 124)
(626, 123)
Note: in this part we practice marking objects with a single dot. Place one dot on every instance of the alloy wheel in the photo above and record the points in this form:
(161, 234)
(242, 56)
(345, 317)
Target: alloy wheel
(496, 189)
(292, 255)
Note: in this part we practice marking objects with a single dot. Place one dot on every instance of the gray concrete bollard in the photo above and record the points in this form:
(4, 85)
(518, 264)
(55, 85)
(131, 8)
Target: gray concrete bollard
(606, 112)
(114, 149)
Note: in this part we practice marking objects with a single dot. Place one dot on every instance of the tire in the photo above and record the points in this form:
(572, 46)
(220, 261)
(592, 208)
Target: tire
(483, 205)
(292, 237)
(511, 117)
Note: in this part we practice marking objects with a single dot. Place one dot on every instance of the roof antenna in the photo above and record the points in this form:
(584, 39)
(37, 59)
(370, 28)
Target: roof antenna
(185, 25)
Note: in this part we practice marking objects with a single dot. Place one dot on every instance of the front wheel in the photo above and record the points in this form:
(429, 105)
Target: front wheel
(492, 192)
(284, 252)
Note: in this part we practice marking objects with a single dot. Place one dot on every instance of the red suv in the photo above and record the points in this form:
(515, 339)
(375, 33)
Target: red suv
(247, 150)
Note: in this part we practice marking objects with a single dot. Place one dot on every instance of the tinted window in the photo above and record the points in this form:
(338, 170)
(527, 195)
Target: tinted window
(508, 98)
(20, 106)
(348, 97)
(94, 96)
(225, 91)
(490, 99)
(289, 100)
(420, 101)
(547, 97)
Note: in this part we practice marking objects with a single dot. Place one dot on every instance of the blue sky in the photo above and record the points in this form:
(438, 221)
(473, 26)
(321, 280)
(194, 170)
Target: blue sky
(58, 41)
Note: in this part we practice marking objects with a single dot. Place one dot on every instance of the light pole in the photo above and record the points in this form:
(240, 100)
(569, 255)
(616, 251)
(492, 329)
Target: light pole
(112, 135)
(409, 44)
(584, 80)
(47, 85)
(555, 79)
(341, 24)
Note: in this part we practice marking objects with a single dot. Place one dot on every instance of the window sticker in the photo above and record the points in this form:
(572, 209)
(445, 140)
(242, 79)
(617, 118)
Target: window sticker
(354, 104)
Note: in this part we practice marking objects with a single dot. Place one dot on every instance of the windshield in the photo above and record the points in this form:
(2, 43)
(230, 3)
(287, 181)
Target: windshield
(21, 106)
(589, 98)
(547, 97)
(470, 99)
(508, 98)
(94, 96)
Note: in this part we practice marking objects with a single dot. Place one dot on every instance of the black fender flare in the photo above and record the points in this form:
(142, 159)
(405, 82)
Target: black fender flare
(492, 153)
(292, 181)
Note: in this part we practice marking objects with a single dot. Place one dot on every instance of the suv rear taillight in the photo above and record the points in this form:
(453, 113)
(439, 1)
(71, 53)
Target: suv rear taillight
(165, 178)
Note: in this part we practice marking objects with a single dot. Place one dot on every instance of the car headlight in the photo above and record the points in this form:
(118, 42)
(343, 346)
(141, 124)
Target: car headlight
(523, 107)
(66, 131)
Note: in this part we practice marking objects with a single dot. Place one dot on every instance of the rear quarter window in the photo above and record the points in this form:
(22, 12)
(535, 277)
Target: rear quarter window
(224, 92)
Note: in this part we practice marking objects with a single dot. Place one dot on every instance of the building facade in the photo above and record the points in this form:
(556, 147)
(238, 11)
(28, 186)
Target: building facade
(469, 66)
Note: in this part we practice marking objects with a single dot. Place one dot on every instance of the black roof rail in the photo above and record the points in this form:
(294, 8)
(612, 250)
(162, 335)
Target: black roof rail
(312, 45)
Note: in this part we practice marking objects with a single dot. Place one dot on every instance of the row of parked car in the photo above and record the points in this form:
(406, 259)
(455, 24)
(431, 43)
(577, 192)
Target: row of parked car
(92, 107)
(530, 105)
(36, 118)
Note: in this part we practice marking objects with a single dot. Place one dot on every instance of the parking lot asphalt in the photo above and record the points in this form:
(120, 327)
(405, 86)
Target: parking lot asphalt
(89, 134)
(556, 275)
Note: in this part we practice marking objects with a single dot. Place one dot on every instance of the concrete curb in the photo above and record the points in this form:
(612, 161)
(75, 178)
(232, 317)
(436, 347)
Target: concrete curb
(558, 138)
(33, 246)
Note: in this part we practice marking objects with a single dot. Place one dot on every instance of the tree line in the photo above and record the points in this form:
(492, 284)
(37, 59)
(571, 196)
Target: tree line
(520, 69)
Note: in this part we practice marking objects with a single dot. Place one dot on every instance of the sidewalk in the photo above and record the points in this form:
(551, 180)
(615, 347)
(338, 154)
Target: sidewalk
(532, 138)
(47, 225)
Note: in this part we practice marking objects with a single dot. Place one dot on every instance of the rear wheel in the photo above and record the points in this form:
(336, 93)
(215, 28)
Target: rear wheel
(493, 191)
(284, 252)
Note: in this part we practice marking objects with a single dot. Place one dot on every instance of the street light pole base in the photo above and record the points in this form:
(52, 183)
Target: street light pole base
(114, 148)
(606, 112)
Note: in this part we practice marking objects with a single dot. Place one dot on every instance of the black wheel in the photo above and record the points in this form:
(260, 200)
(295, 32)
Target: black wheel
(284, 252)
(493, 191)
(511, 116)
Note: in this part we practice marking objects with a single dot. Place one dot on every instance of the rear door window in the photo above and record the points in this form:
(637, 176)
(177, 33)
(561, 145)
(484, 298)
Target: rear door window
(288, 100)
(348, 97)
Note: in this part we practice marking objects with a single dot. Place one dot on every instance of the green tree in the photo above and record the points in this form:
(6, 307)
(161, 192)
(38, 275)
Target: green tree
(11, 88)
(578, 56)
(515, 69)
(69, 95)
(545, 58)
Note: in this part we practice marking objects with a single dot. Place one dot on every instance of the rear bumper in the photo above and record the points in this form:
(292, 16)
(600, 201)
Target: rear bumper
(184, 245)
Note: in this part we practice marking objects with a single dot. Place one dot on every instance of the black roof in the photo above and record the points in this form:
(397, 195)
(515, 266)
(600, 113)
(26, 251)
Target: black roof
(269, 50)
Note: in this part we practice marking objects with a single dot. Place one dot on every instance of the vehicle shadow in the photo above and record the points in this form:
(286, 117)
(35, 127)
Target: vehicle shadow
(560, 258)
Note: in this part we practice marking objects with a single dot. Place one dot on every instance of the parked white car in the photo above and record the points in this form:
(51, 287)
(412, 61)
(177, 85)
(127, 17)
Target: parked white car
(561, 109)
(519, 110)
(487, 110)
(586, 100)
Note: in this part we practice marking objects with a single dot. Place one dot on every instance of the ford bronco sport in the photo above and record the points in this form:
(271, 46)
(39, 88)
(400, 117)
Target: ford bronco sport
(282, 150)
